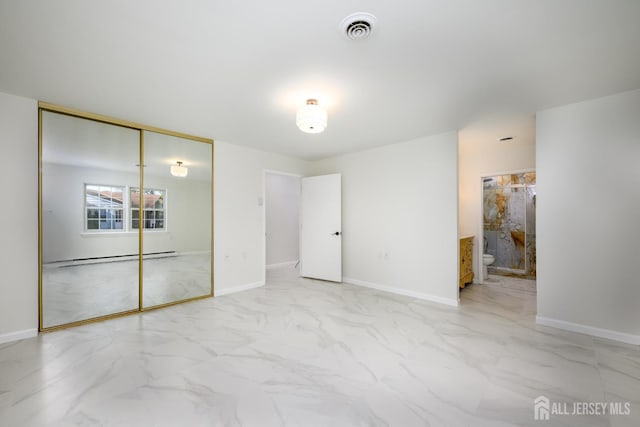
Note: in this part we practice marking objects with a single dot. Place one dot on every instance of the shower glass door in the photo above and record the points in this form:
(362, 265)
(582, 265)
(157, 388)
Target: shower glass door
(509, 222)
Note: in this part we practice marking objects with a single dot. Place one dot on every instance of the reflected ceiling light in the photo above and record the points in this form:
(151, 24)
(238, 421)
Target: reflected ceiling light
(311, 118)
(179, 170)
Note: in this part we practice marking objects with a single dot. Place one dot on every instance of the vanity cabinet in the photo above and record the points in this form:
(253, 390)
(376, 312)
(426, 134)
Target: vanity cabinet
(466, 261)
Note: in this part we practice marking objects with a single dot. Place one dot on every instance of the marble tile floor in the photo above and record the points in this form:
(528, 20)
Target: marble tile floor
(510, 282)
(300, 352)
(80, 292)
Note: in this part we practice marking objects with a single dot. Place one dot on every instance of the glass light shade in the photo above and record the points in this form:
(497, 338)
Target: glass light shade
(311, 118)
(179, 170)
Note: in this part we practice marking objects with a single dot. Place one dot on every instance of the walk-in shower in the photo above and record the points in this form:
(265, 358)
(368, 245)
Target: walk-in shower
(509, 223)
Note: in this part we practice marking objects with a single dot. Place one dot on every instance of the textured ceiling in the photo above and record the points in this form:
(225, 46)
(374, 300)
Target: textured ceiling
(237, 70)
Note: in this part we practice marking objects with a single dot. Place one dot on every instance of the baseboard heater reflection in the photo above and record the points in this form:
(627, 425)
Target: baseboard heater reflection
(112, 258)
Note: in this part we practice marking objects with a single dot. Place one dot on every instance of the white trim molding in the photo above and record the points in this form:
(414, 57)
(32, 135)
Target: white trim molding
(239, 288)
(288, 264)
(589, 330)
(18, 335)
(399, 291)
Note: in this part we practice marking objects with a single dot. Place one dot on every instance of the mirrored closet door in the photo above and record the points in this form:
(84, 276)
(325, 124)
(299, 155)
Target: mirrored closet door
(108, 248)
(86, 169)
(177, 219)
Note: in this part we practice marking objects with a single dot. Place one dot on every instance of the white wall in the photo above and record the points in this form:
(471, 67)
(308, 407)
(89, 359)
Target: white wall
(188, 205)
(400, 216)
(282, 206)
(239, 213)
(19, 217)
(481, 154)
(588, 210)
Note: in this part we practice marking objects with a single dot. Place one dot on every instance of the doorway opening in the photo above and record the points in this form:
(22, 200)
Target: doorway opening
(508, 243)
(281, 219)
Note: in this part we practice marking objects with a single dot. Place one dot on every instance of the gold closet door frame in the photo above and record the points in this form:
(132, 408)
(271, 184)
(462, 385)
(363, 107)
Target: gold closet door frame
(53, 108)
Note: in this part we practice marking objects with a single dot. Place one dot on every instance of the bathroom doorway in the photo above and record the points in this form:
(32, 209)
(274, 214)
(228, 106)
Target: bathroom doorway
(508, 226)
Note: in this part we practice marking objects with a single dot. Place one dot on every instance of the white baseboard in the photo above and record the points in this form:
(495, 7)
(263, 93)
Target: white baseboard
(18, 335)
(282, 265)
(399, 291)
(589, 330)
(109, 259)
(239, 288)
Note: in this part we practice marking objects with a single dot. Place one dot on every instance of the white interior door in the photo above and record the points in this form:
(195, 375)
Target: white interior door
(321, 227)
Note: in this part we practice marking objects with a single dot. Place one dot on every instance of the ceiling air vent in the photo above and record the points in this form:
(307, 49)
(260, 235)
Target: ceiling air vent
(358, 25)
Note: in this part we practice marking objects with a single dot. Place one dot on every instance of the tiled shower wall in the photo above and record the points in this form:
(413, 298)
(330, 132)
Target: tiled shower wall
(509, 222)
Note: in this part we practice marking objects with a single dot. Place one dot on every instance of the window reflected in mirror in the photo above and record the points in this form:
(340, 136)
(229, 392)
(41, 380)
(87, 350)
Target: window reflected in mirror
(104, 207)
(153, 209)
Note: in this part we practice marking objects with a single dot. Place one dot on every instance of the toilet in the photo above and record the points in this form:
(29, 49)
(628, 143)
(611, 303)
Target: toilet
(487, 260)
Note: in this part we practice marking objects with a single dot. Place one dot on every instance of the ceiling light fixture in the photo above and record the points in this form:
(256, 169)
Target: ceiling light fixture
(311, 118)
(179, 170)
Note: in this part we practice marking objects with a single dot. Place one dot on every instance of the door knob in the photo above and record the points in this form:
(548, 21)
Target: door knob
(337, 233)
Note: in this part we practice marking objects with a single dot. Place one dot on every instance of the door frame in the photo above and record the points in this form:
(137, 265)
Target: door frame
(263, 201)
(480, 249)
